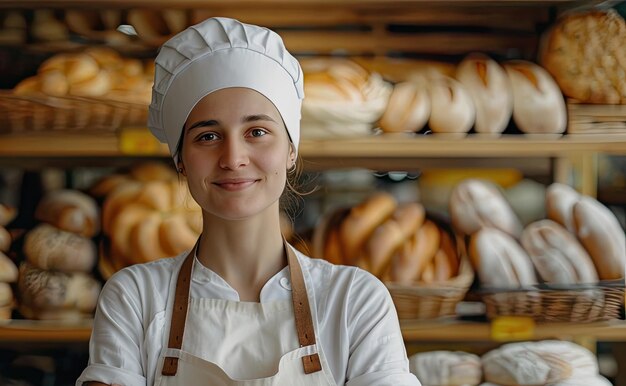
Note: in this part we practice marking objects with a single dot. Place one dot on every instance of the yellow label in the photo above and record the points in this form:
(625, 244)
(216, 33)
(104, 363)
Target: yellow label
(138, 140)
(509, 328)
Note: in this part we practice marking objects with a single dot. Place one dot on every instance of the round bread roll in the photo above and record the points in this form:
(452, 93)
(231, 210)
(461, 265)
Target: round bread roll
(560, 201)
(7, 214)
(602, 236)
(413, 258)
(557, 255)
(446, 368)
(360, 223)
(47, 247)
(70, 210)
(452, 108)
(44, 289)
(538, 105)
(54, 82)
(76, 67)
(8, 269)
(488, 85)
(6, 295)
(5, 239)
(475, 204)
(538, 363)
(499, 260)
(584, 51)
(408, 108)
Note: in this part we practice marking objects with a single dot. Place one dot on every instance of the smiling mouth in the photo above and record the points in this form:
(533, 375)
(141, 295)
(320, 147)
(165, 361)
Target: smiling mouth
(234, 185)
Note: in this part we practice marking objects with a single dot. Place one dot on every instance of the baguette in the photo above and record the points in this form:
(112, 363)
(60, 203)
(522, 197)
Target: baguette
(416, 254)
(380, 247)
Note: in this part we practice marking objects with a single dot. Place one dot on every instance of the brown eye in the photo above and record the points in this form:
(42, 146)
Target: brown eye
(258, 132)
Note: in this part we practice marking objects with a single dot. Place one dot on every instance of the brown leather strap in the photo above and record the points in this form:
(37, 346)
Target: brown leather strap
(302, 312)
(179, 313)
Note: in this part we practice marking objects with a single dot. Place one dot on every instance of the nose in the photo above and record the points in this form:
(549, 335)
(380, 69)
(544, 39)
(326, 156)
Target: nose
(234, 154)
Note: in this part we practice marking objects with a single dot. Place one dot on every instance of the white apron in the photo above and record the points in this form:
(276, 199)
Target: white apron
(300, 367)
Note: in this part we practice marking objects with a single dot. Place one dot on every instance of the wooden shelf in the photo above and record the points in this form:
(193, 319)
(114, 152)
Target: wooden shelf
(418, 331)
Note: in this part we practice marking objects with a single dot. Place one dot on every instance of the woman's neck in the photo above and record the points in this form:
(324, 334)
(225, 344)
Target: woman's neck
(245, 253)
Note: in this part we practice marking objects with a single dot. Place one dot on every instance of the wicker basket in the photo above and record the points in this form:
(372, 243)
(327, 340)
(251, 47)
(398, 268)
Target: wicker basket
(27, 114)
(551, 303)
(432, 300)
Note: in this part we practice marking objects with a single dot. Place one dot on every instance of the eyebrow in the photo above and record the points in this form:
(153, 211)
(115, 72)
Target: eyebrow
(245, 119)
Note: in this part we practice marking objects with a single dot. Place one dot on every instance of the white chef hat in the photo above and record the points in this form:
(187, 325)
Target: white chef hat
(220, 53)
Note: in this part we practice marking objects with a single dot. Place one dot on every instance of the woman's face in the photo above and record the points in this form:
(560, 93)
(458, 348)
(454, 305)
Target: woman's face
(236, 153)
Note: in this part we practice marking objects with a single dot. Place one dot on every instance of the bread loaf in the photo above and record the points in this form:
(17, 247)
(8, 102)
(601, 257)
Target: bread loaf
(415, 255)
(6, 295)
(408, 108)
(332, 247)
(488, 85)
(475, 204)
(7, 214)
(47, 247)
(538, 363)
(560, 201)
(446, 261)
(361, 222)
(446, 368)
(452, 108)
(5, 239)
(53, 290)
(499, 260)
(46, 28)
(557, 255)
(602, 236)
(380, 247)
(596, 380)
(538, 105)
(8, 269)
(584, 51)
(70, 210)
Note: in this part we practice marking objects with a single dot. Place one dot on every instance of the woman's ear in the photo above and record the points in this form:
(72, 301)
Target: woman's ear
(292, 155)
(181, 168)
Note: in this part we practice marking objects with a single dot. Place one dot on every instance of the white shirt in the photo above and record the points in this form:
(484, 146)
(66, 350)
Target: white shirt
(356, 321)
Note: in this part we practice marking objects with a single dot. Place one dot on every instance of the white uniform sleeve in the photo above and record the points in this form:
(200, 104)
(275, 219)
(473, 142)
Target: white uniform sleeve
(115, 346)
(377, 352)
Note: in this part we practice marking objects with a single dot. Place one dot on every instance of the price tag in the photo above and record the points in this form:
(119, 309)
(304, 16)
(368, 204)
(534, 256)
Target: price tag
(137, 141)
(510, 328)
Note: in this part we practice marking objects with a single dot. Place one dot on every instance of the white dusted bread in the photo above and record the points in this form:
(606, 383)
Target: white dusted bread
(557, 255)
(446, 368)
(475, 204)
(600, 232)
(560, 201)
(488, 85)
(538, 363)
(499, 260)
(538, 105)
(452, 108)
(408, 108)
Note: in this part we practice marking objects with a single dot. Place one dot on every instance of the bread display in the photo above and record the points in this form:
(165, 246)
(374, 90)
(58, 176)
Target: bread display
(46, 27)
(499, 260)
(97, 25)
(452, 108)
(47, 247)
(408, 108)
(560, 201)
(70, 210)
(584, 52)
(13, 29)
(157, 26)
(557, 255)
(416, 254)
(446, 368)
(488, 85)
(538, 105)
(342, 99)
(602, 236)
(475, 204)
(538, 363)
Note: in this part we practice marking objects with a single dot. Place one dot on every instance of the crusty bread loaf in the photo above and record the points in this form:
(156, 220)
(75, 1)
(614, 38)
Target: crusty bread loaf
(499, 260)
(557, 255)
(408, 108)
(538, 105)
(488, 85)
(446, 368)
(602, 236)
(361, 222)
(560, 201)
(475, 204)
(44, 289)
(538, 363)
(47, 247)
(8, 269)
(5, 239)
(452, 109)
(584, 51)
(70, 210)
(416, 254)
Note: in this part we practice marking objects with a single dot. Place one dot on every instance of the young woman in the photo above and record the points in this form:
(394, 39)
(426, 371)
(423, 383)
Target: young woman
(242, 307)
